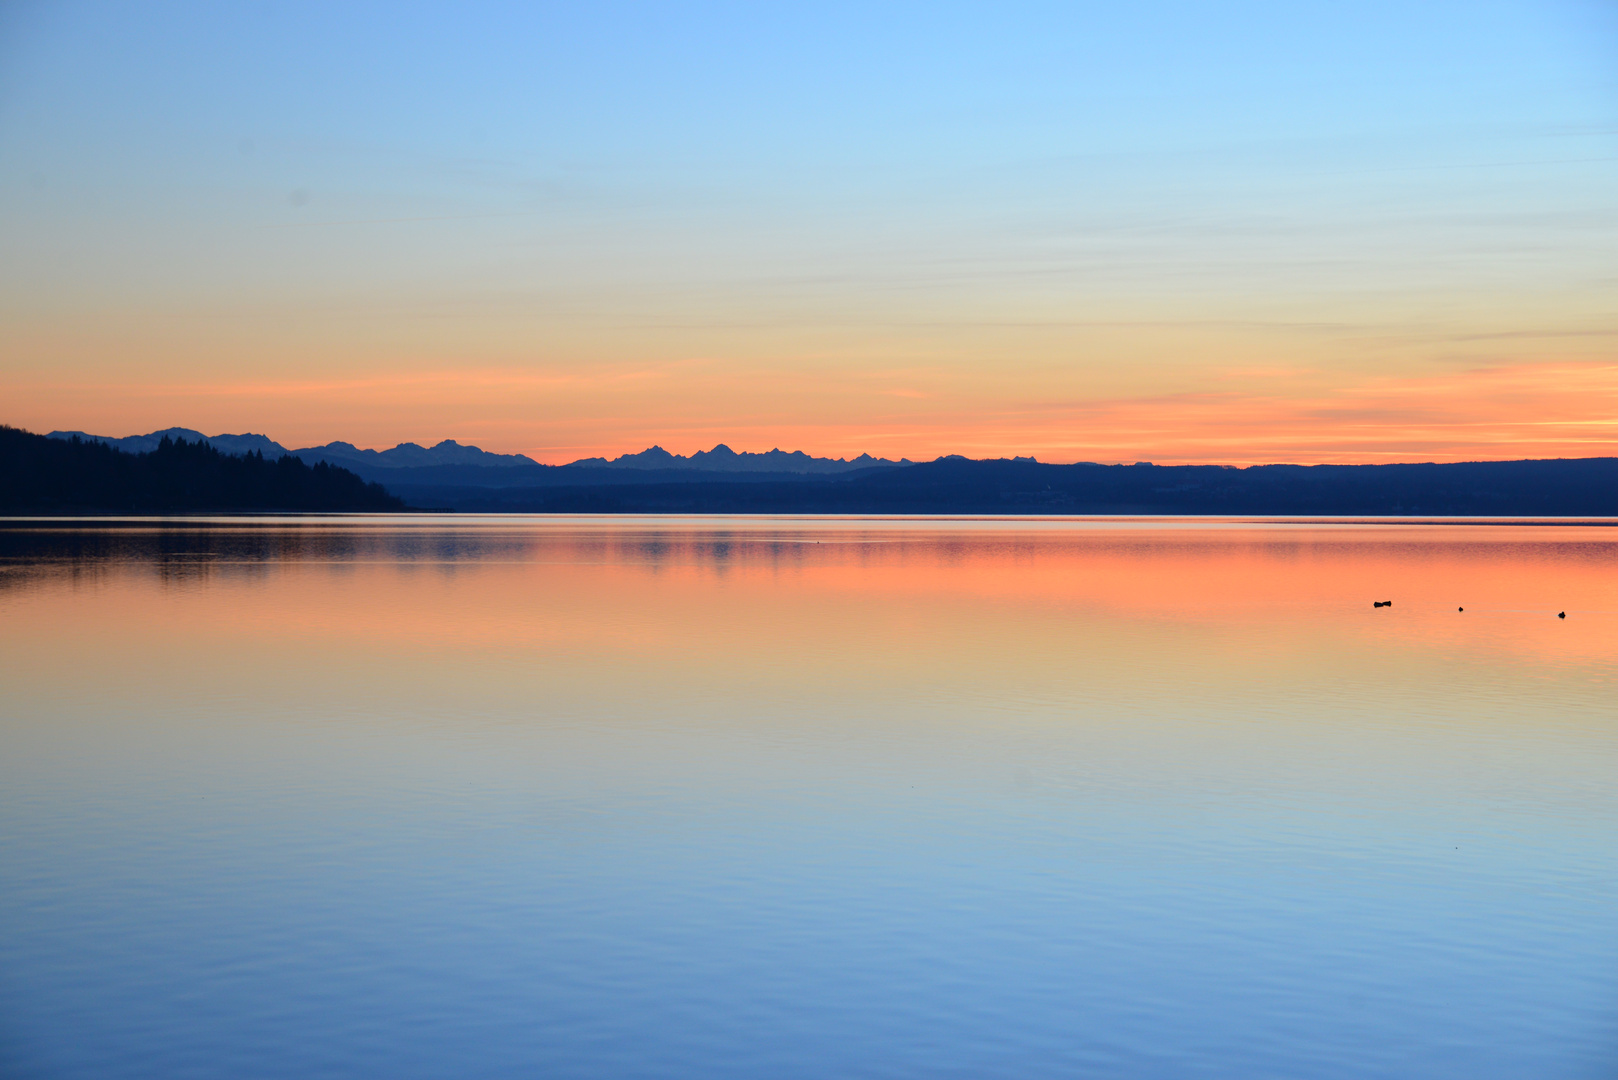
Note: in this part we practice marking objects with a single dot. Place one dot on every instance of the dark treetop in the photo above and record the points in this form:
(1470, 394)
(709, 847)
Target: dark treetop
(41, 475)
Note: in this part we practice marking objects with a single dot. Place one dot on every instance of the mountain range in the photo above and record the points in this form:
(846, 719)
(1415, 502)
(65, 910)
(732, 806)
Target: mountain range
(450, 476)
(451, 463)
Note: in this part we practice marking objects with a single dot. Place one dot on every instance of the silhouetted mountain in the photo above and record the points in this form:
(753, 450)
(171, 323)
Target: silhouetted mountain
(449, 452)
(1577, 487)
(720, 480)
(39, 474)
(403, 456)
(723, 459)
(412, 456)
(449, 464)
(145, 444)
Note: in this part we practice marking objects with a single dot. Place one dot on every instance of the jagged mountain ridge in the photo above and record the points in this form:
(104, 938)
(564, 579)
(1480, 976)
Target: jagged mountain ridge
(145, 444)
(403, 456)
(723, 459)
(451, 453)
(1583, 487)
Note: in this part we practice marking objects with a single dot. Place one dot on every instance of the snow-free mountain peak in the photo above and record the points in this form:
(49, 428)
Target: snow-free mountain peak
(723, 459)
(145, 444)
(409, 455)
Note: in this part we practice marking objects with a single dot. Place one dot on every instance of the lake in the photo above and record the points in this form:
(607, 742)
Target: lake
(805, 797)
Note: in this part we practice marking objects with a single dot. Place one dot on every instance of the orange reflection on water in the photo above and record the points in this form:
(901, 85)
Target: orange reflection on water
(932, 601)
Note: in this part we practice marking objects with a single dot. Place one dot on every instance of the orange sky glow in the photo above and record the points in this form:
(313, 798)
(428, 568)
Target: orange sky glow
(1521, 411)
(1133, 235)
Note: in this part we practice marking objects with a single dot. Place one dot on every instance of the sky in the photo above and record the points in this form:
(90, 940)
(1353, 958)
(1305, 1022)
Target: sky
(1163, 231)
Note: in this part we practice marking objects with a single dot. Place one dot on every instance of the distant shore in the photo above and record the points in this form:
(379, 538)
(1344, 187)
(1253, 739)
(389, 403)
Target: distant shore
(40, 475)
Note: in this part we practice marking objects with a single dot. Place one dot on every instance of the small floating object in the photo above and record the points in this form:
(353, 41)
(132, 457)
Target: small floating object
(1460, 609)
(1561, 614)
(1382, 603)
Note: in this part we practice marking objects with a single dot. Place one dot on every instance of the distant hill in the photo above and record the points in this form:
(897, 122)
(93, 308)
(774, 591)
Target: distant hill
(54, 475)
(403, 456)
(1586, 487)
(412, 456)
(145, 444)
(457, 477)
(450, 465)
(723, 459)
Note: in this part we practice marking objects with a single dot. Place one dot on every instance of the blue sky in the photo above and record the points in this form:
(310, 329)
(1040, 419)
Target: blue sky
(859, 227)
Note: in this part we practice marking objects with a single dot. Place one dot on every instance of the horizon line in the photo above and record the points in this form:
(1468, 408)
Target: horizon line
(847, 459)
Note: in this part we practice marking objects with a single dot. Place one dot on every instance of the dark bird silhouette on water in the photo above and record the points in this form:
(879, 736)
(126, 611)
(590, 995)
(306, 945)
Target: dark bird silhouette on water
(1381, 603)
(1561, 614)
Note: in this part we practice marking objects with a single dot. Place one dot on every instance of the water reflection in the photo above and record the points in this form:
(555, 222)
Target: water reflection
(1506, 577)
(740, 797)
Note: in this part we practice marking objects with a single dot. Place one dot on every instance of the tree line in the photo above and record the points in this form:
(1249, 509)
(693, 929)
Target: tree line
(43, 475)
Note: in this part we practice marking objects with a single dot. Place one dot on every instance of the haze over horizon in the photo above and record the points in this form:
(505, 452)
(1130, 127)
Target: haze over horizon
(237, 443)
(1166, 233)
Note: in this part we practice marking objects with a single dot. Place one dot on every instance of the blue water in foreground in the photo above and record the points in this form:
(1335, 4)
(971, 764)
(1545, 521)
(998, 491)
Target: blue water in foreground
(575, 797)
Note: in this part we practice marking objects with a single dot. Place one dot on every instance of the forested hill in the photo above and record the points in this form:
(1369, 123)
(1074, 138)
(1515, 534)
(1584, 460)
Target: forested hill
(41, 475)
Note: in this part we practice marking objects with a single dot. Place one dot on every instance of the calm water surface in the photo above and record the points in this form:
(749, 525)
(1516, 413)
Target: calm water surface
(574, 797)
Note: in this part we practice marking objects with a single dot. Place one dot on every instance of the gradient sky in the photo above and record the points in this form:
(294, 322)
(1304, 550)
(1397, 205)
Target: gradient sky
(1161, 231)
